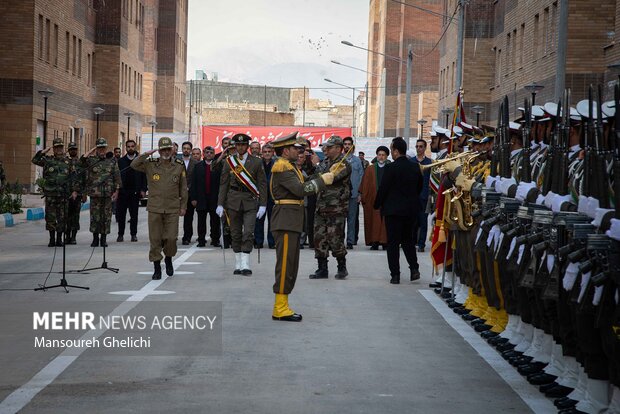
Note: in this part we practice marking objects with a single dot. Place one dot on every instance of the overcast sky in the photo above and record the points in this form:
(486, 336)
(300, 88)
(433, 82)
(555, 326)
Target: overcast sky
(279, 42)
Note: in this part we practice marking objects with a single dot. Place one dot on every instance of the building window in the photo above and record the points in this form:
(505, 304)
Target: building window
(135, 84)
(122, 76)
(514, 50)
(499, 67)
(92, 69)
(88, 69)
(521, 36)
(40, 36)
(536, 37)
(137, 14)
(67, 51)
(74, 55)
(546, 33)
(554, 24)
(507, 62)
(79, 58)
(47, 40)
(55, 51)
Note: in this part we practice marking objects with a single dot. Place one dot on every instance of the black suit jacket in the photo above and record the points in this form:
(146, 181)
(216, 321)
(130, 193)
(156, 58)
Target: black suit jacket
(198, 192)
(132, 181)
(399, 190)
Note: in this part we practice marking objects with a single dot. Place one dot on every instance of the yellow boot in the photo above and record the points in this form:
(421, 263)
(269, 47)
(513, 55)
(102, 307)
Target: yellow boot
(480, 306)
(468, 304)
(281, 311)
(500, 321)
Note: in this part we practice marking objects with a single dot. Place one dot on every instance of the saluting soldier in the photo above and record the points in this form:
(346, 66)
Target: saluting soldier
(243, 195)
(56, 189)
(75, 205)
(288, 190)
(103, 180)
(332, 207)
(167, 186)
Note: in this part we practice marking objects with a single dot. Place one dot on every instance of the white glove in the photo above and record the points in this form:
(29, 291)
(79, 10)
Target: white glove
(585, 279)
(550, 262)
(598, 294)
(261, 212)
(582, 207)
(523, 189)
(549, 199)
(490, 181)
(556, 205)
(505, 184)
(592, 206)
(540, 199)
(570, 276)
(219, 211)
(614, 230)
(513, 244)
(598, 216)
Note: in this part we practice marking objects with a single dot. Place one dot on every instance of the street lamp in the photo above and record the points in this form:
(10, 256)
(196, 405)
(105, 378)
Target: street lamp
(153, 124)
(408, 87)
(446, 112)
(98, 111)
(421, 122)
(45, 93)
(128, 114)
(477, 110)
(352, 102)
(533, 88)
(335, 62)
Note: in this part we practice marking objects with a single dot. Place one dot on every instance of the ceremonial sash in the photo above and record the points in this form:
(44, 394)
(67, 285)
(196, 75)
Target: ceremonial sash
(242, 175)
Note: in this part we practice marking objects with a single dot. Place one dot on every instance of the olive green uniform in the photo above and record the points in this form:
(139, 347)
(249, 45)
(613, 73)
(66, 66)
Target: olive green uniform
(75, 206)
(167, 196)
(288, 190)
(103, 179)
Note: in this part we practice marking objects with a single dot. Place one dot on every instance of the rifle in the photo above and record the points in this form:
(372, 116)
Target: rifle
(587, 162)
(526, 167)
(562, 151)
(496, 146)
(600, 165)
(505, 160)
(616, 150)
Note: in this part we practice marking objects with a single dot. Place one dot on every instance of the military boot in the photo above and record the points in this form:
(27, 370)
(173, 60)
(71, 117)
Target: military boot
(342, 268)
(169, 268)
(103, 241)
(72, 238)
(321, 272)
(52, 242)
(95, 242)
(157, 272)
(59, 242)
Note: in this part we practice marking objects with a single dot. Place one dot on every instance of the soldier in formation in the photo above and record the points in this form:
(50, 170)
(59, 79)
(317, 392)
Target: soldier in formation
(167, 184)
(58, 189)
(536, 219)
(103, 181)
(75, 204)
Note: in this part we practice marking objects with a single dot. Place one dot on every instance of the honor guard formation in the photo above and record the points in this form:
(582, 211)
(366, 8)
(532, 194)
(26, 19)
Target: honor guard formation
(525, 223)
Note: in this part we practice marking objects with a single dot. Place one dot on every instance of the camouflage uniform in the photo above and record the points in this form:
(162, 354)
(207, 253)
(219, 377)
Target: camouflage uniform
(75, 206)
(103, 178)
(56, 171)
(332, 207)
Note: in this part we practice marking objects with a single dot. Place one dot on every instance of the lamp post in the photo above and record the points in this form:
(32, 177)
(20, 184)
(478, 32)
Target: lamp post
(45, 93)
(128, 114)
(446, 112)
(533, 88)
(98, 111)
(335, 62)
(153, 124)
(477, 110)
(409, 63)
(352, 101)
(421, 122)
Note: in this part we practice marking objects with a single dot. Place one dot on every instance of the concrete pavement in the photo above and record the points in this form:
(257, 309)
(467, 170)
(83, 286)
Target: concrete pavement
(364, 345)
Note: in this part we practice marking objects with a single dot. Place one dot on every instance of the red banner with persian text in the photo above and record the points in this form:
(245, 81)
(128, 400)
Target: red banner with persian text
(213, 134)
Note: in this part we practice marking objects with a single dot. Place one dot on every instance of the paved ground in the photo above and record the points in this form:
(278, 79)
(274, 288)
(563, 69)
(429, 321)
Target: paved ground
(364, 346)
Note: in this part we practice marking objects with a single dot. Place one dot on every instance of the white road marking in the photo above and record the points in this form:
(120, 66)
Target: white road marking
(528, 393)
(192, 263)
(137, 292)
(180, 272)
(19, 398)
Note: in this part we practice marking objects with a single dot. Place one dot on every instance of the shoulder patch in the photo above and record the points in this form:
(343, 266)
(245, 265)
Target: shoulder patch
(281, 165)
(178, 161)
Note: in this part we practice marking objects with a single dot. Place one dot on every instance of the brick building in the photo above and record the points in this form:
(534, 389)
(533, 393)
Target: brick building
(89, 53)
(511, 43)
(392, 27)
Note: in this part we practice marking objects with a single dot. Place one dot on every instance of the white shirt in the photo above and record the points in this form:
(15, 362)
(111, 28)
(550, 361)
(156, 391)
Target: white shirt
(186, 161)
(243, 159)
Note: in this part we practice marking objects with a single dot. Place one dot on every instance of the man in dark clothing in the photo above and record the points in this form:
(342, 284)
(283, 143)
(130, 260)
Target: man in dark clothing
(259, 230)
(132, 190)
(419, 233)
(203, 197)
(398, 198)
(188, 221)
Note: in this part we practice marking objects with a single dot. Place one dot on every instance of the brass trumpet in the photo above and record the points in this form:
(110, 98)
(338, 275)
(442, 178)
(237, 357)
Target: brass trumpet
(457, 156)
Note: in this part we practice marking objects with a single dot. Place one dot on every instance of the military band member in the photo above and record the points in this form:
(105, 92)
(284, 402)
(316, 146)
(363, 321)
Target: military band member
(243, 196)
(332, 207)
(103, 181)
(167, 201)
(288, 190)
(57, 189)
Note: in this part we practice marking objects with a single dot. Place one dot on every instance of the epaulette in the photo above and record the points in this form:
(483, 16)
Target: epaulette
(281, 165)
(178, 161)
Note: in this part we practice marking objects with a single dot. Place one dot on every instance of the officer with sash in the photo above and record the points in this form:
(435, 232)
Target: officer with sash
(243, 198)
(288, 190)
